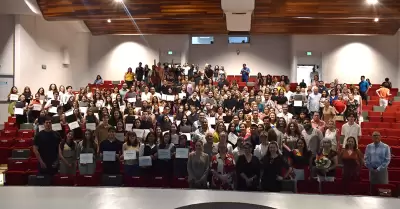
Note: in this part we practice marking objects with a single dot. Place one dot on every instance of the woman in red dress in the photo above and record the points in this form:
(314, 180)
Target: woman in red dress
(340, 105)
(222, 169)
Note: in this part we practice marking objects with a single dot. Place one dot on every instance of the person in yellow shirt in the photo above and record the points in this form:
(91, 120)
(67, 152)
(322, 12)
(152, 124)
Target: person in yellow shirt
(383, 94)
(129, 77)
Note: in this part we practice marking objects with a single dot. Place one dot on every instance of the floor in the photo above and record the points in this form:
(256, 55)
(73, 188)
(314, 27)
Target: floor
(119, 198)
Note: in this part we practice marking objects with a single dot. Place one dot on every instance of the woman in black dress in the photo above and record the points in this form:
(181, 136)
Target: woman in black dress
(247, 170)
(272, 164)
(21, 104)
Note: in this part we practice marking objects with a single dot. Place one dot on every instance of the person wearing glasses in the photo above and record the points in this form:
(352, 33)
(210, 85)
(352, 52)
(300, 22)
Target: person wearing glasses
(377, 158)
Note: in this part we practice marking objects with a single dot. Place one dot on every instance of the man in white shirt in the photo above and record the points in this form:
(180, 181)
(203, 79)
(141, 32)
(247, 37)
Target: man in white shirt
(65, 97)
(350, 129)
(313, 101)
(285, 114)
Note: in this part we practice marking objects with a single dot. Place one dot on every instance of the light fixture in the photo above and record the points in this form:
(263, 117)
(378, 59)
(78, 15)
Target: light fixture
(118, 1)
(372, 2)
(376, 19)
(109, 20)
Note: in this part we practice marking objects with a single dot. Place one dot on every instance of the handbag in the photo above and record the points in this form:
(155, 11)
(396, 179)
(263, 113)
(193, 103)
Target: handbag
(385, 192)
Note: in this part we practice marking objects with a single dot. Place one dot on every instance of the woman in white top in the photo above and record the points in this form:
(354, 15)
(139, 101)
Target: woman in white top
(89, 93)
(115, 93)
(331, 133)
(262, 148)
(239, 150)
(61, 91)
(146, 94)
(52, 89)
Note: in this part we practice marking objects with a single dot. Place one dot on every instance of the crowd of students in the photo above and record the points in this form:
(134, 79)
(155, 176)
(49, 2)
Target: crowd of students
(175, 122)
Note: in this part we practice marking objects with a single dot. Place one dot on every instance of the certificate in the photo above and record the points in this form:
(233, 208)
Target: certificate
(53, 110)
(41, 128)
(145, 161)
(131, 100)
(109, 156)
(182, 95)
(120, 137)
(86, 158)
(128, 126)
(91, 126)
(170, 98)
(138, 109)
(188, 113)
(211, 120)
(178, 122)
(298, 103)
(161, 109)
(83, 109)
(139, 132)
(146, 132)
(164, 154)
(171, 118)
(13, 97)
(69, 112)
(96, 114)
(129, 155)
(18, 111)
(227, 126)
(56, 127)
(122, 108)
(182, 153)
(37, 107)
(232, 138)
(175, 139)
(163, 97)
(188, 136)
(73, 125)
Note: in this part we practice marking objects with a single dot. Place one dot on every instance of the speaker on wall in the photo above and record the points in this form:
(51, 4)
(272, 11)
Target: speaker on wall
(65, 56)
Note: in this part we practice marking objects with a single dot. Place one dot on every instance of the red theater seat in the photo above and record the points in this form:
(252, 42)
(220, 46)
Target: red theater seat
(63, 180)
(88, 180)
(394, 175)
(392, 132)
(26, 133)
(17, 165)
(9, 133)
(16, 178)
(358, 188)
(5, 153)
(159, 182)
(6, 141)
(304, 187)
(10, 127)
(332, 187)
(389, 117)
(33, 165)
(12, 119)
(134, 181)
(180, 183)
(23, 143)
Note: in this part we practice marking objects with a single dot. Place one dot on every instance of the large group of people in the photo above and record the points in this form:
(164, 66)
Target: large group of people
(192, 123)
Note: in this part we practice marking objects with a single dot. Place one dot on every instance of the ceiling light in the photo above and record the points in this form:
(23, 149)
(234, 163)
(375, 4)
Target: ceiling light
(376, 19)
(118, 1)
(109, 20)
(372, 1)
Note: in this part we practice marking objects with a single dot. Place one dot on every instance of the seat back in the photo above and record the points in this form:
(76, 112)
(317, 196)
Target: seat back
(20, 153)
(111, 180)
(39, 180)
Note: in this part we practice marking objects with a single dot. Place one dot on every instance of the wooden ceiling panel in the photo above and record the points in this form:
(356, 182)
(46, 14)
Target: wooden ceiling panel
(206, 16)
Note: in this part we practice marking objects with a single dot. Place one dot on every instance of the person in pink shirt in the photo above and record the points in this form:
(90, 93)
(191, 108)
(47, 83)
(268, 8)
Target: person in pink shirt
(317, 123)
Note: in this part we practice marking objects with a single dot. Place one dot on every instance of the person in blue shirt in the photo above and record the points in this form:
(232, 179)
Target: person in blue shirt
(377, 158)
(364, 86)
(98, 80)
(245, 73)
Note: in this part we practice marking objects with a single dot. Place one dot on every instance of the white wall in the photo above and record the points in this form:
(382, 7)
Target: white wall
(110, 56)
(38, 43)
(349, 57)
(268, 54)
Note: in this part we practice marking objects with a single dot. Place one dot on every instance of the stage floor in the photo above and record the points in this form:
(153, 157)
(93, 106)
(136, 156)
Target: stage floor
(118, 198)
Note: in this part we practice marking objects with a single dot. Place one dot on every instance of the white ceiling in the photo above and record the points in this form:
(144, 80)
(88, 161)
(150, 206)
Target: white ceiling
(19, 7)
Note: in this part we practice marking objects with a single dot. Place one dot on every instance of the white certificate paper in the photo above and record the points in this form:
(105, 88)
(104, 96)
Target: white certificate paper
(83, 109)
(298, 103)
(56, 127)
(145, 161)
(41, 128)
(131, 100)
(129, 155)
(86, 158)
(232, 138)
(164, 154)
(128, 126)
(37, 107)
(109, 156)
(69, 112)
(188, 136)
(139, 132)
(91, 126)
(170, 98)
(73, 125)
(120, 136)
(18, 111)
(182, 153)
(13, 97)
(53, 110)
(211, 120)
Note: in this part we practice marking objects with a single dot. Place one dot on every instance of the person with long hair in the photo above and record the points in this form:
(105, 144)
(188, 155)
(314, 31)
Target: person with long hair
(248, 169)
(222, 169)
(272, 165)
(198, 167)
(129, 77)
(88, 146)
(300, 159)
(292, 134)
(68, 155)
(131, 167)
(98, 80)
(352, 160)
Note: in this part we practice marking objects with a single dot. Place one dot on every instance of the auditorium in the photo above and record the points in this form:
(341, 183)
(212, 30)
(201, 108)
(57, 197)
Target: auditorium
(239, 104)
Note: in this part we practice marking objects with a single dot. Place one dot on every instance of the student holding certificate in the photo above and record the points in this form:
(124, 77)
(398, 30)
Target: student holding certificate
(181, 157)
(165, 152)
(88, 146)
(12, 98)
(150, 150)
(34, 108)
(132, 150)
(68, 155)
(110, 150)
(20, 110)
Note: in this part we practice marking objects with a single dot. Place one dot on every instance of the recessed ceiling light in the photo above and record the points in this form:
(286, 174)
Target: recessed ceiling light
(376, 19)
(372, 1)
(109, 20)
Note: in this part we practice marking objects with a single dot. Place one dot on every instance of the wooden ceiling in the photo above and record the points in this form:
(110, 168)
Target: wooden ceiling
(207, 17)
